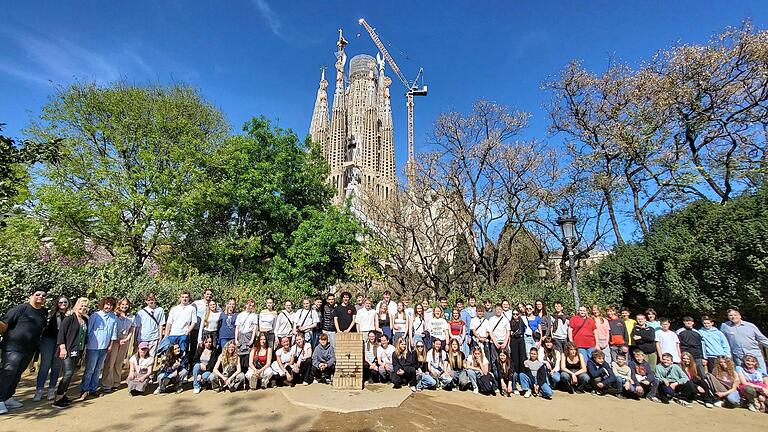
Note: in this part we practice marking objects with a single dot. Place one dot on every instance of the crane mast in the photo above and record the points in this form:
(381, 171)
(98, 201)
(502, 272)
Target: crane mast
(412, 89)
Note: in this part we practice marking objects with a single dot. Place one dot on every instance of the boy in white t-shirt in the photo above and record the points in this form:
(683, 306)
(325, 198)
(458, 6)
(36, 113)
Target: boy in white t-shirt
(667, 341)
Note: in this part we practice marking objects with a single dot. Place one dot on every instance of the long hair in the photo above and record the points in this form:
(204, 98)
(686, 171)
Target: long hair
(727, 371)
(454, 354)
(397, 347)
(691, 369)
(207, 314)
(228, 359)
(55, 308)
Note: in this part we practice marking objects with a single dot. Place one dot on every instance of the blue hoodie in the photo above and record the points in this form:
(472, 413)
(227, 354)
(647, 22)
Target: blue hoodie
(714, 343)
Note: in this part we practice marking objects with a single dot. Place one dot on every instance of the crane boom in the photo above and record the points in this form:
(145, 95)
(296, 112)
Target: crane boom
(385, 53)
(412, 90)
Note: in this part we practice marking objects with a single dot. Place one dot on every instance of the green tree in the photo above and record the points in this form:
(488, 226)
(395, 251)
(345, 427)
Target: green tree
(130, 155)
(257, 190)
(700, 260)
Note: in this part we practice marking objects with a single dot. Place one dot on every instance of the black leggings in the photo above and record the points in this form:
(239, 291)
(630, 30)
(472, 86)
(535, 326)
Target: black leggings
(68, 370)
(408, 377)
(517, 354)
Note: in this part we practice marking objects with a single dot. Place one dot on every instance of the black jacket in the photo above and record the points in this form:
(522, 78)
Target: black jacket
(405, 363)
(647, 341)
(690, 341)
(68, 331)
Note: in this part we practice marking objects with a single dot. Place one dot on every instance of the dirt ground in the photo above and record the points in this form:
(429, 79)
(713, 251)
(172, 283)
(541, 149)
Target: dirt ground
(269, 410)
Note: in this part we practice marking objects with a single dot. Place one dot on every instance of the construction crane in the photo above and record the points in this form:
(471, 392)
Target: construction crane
(412, 89)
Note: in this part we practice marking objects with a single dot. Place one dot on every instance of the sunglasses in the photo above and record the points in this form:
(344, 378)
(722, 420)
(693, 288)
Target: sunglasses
(143, 349)
(63, 302)
(41, 295)
(419, 346)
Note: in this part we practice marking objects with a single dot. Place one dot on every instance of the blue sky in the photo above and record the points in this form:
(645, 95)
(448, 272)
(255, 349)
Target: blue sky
(253, 57)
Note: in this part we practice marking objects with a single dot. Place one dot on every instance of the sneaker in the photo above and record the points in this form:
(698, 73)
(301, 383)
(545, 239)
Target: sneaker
(454, 389)
(157, 391)
(718, 404)
(180, 389)
(476, 391)
(753, 407)
(12, 403)
(315, 382)
(527, 394)
(38, 395)
(708, 405)
(413, 389)
(51, 393)
(683, 403)
(655, 399)
(106, 390)
(60, 404)
(3, 408)
(196, 390)
(306, 383)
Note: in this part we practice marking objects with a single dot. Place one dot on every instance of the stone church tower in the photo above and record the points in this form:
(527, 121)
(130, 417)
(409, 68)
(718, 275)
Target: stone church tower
(357, 139)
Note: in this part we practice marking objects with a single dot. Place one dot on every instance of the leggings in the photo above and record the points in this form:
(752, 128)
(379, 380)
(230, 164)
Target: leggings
(517, 354)
(68, 369)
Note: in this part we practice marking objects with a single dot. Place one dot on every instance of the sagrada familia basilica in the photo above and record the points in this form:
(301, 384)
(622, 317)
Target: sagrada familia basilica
(356, 136)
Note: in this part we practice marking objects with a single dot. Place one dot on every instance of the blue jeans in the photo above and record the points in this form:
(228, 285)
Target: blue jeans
(179, 339)
(49, 362)
(426, 381)
(529, 343)
(734, 398)
(554, 378)
(587, 353)
(94, 362)
(544, 389)
(195, 372)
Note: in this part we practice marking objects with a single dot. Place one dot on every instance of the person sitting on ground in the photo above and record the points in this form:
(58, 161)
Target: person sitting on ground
(205, 358)
(403, 367)
(691, 369)
(534, 379)
(551, 357)
(419, 358)
(323, 361)
(645, 380)
(673, 383)
(506, 375)
(227, 374)
(623, 374)
(459, 378)
(724, 381)
(140, 370)
(573, 369)
(370, 358)
(172, 369)
(284, 358)
(384, 359)
(438, 365)
(302, 367)
(258, 366)
(753, 383)
(478, 371)
(601, 375)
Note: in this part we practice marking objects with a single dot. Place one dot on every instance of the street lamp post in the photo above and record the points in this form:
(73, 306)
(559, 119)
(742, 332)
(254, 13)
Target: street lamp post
(568, 226)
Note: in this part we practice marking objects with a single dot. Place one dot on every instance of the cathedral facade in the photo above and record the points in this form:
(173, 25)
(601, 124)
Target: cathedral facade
(356, 135)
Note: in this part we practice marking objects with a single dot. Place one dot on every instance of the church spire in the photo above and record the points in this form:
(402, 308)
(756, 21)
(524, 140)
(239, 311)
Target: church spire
(319, 128)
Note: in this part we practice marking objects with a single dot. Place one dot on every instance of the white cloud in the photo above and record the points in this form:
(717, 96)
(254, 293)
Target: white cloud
(269, 16)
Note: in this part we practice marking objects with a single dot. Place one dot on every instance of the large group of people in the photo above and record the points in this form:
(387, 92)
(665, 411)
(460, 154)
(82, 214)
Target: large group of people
(492, 349)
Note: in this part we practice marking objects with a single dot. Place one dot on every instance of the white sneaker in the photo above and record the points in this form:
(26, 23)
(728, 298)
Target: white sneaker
(157, 391)
(12, 403)
(196, 390)
(719, 404)
(413, 389)
(476, 391)
(708, 405)
(753, 407)
(3, 408)
(52, 393)
(527, 394)
(38, 395)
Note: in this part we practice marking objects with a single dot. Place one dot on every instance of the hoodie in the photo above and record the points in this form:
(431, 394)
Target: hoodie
(714, 343)
(323, 355)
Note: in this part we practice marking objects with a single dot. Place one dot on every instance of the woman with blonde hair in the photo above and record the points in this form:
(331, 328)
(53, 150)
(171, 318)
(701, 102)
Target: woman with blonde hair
(403, 366)
(383, 321)
(227, 373)
(399, 322)
(113, 365)
(725, 381)
(603, 328)
(209, 324)
(456, 365)
(258, 367)
(71, 339)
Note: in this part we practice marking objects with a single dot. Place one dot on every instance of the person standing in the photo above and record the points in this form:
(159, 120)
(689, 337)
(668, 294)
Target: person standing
(285, 324)
(365, 319)
(21, 328)
(328, 321)
(267, 318)
(388, 302)
(102, 334)
(618, 336)
(582, 332)
(49, 351)
(246, 327)
(226, 326)
(359, 302)
(714, 343)
(667, 342)
(692, 342)
(498, 334)
(181, 321)
(113, 364)
(73, 333)
(149, 322)
(317, 308)
(306, 321)
(644, 337)
(344, 317)
(201, 306)
(744, 338)
(559, 326)
(209, 325)
(467, 314)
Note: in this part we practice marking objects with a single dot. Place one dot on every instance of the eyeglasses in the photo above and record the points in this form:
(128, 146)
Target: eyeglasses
(64, 302)
(419, 346)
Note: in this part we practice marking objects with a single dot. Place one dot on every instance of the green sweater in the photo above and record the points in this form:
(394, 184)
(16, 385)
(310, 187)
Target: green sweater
(672, 373)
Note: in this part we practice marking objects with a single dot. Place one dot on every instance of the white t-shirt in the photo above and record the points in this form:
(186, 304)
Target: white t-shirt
(419, 326)
(142, 366)
(669, 343)
(409, 312)
(246, 321)
(286, 357)
(284, 323)
(428, 315)
(365, 320)
(391, 307)
(437, 328)
(436, 360)
(385, 354)
(479, 327)
(213, 324)
(180, 318)
(306, 317)
(498, 330)
(267, 320)
(506, 314)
